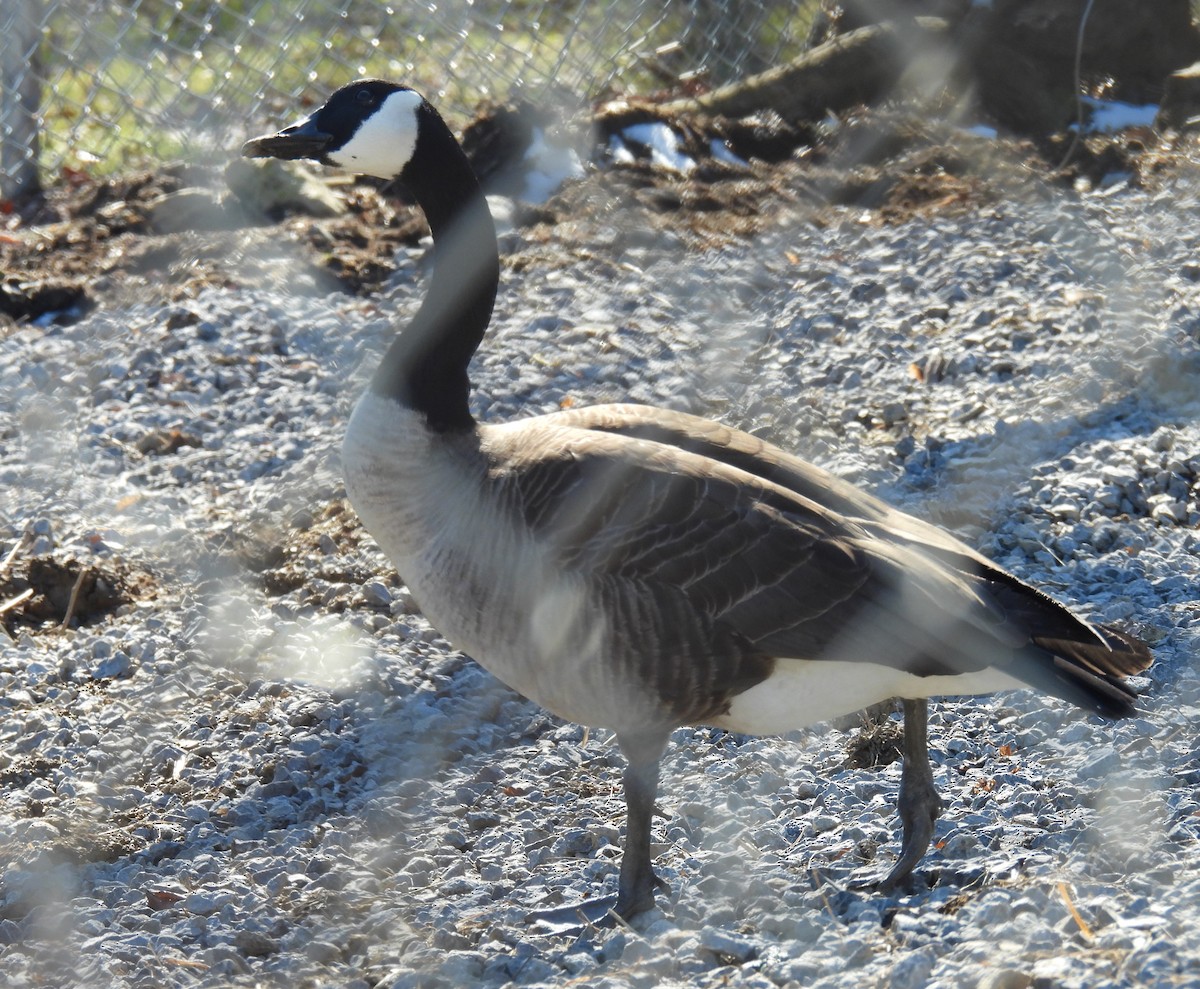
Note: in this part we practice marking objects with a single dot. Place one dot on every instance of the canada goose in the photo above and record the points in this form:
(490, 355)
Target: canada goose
(641, 569)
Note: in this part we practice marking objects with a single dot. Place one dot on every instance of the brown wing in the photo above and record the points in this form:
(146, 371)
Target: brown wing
(1102, 650)
(788, 577)
(798, 563)
(721, 545)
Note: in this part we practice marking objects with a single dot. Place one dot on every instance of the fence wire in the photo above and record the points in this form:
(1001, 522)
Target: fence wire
(94, 84)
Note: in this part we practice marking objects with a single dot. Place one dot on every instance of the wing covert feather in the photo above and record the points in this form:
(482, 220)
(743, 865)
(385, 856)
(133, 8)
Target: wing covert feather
(790, 560)
(779, 574)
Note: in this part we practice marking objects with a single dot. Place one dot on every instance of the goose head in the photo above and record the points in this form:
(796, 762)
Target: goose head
(387, 130)
(370, 127)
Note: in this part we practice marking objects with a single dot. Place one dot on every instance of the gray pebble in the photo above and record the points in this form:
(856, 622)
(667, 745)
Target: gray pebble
(377, 594)
(913, 971)
(726, 945)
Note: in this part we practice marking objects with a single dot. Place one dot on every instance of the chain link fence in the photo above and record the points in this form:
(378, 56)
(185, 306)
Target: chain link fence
(94, 84)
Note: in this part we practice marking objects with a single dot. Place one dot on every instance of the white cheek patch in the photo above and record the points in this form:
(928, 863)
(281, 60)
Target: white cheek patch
(384, 143)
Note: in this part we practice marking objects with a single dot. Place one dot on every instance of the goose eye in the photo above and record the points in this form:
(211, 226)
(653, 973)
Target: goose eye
(364, 97)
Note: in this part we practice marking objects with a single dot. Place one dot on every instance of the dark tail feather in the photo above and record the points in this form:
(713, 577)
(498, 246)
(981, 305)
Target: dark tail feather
(1103, 695)
(1125, 655)
(1088, 673)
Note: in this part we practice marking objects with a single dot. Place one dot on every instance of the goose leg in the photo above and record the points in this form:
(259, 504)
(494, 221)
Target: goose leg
(637, 881)
(635, 889)
(919, 804)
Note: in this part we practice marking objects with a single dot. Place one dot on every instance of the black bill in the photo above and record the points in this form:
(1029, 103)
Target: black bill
(302, 140)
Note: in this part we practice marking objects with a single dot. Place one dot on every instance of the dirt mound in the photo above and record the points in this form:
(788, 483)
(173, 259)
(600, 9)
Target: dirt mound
(48, 592)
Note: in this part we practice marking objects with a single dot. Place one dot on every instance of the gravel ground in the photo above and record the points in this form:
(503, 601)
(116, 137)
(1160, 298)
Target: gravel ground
(260, 766)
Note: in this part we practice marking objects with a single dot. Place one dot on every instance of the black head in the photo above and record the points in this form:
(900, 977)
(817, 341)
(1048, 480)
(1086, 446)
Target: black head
(370, 127)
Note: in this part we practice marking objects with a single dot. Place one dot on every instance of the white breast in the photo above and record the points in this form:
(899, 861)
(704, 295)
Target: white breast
(476, 574)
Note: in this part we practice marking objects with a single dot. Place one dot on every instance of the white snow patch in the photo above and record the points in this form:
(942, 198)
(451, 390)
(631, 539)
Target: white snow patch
(663, 144)
(722, 152)
(550, 166)
(1111, 115)
(619, 153)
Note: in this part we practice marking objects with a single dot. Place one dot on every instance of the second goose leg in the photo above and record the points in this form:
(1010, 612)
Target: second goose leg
(919, 804)
(637, 882)
(635, 889)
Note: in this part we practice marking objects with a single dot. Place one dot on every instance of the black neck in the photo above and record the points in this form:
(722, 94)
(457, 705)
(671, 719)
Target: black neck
(425, 368)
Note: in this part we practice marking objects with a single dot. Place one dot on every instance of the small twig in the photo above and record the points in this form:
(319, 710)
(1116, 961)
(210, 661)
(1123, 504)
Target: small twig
(185, 963)
(12, 554)
(1078, 87)
(818, 881)
(11, 603)
(621, 922)
(1052, 553)
(74, 599)
(1084, 929)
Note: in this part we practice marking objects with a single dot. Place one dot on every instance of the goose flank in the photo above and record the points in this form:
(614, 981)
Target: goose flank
(640, 569)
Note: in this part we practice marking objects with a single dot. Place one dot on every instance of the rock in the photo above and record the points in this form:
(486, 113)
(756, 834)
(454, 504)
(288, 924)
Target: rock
(200, 902)
(324, 952)
(377, 594)
(1102, 763)
(190, 209)
(112, 667)
(913, 971)
(272, 187)
(1006, 978)
(254, 944)
(728, 948)
(1168, 511)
